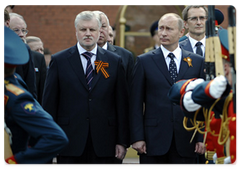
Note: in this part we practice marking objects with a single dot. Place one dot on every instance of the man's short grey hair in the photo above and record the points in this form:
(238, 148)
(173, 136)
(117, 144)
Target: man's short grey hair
(17, 15)
(30, 39)
(99, 13)
(87, 16)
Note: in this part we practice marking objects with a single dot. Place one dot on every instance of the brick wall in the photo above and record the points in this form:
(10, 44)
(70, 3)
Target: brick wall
(55, 24)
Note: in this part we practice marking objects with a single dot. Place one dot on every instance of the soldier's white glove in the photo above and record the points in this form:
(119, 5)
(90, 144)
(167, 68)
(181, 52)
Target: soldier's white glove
(193, 84)
(227, 160)
(215, 157)
(189, 104)
(218, 86)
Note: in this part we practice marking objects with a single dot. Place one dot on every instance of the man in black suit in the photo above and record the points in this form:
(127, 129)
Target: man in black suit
(194, 17)
(40, 67)
(86, 93)
(157, 131)
(19, 26)
(126, 56)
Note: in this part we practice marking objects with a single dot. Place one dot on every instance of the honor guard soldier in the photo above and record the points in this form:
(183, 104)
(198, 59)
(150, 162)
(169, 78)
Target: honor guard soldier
(215, 100)
(24, 117)
(154, 34)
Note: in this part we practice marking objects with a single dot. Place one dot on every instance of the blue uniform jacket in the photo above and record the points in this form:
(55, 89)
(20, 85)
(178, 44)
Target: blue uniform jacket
(25, 117)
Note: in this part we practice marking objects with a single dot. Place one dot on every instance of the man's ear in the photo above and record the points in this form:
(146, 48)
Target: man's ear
(181, 33)
(186, 24)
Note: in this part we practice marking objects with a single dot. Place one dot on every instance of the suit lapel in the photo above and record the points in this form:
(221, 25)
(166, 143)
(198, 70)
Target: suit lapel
(183, 65)
(187, 45)
(161, 63)
(75, 62)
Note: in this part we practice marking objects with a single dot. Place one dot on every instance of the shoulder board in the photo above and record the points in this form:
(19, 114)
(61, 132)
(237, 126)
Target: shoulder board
(148, 49)
(14, 89)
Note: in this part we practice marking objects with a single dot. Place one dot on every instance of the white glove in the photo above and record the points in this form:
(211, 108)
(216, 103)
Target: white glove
(215, 157)
(227, 160)
(194, 83)
(189, 104)
(218, 86)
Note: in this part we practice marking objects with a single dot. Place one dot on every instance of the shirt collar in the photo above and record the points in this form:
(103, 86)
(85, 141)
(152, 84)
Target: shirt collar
(105, 46)
(193, 41)
(82, 50)
(177, 52)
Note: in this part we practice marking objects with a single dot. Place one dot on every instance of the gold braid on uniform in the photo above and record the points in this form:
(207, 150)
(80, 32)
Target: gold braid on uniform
(208, 118)
(196, 124)
(224, 131)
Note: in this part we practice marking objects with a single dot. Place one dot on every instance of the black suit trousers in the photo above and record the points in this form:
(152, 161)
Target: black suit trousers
(88, 157)
(171, 157)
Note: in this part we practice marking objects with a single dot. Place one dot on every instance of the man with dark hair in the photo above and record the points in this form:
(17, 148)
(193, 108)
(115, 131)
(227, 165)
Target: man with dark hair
(194, 20)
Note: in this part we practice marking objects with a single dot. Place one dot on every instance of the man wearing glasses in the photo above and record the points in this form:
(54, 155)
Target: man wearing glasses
(34, 72)
(194, 20)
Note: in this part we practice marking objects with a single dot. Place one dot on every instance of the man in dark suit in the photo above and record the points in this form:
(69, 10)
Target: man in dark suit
(157, 131)
(86, 93)
(194, 17)
(126, 56)
(26, 71)
(40, 67)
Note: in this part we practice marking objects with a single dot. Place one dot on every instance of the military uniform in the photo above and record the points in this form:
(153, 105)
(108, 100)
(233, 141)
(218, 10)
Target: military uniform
(24, 117)
(216, 139)
(153, 31)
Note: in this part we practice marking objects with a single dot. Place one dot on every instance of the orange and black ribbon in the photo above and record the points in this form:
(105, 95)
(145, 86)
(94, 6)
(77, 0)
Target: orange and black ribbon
(101, 66)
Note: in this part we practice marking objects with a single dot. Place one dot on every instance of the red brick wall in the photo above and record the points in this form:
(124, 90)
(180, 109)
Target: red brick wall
(55, 24)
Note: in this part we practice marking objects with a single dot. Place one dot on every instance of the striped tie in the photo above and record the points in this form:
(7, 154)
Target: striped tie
(89, 69)
(172, 67)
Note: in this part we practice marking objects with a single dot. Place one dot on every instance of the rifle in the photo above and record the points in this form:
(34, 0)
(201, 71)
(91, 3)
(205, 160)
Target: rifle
(213, 54)
(232, 49)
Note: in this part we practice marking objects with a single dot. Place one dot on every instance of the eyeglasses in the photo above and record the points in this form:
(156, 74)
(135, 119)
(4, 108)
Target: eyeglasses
(195, 19)
(17, 31)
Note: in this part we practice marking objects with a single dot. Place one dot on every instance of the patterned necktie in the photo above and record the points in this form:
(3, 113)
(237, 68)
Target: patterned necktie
(199, 49)
(89, 69)
(172, 67)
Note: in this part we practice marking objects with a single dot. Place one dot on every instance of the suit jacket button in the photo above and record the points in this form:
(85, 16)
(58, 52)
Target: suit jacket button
(89, 100)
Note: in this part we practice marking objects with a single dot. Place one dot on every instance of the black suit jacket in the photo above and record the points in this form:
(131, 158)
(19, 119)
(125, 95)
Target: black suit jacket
(127, 59)
(27, 73)
(162, 119)
(40, 72)
(186, 45)
(102, 112)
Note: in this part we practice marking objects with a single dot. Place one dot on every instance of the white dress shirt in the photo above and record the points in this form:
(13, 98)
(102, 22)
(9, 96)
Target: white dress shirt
(193, 44)
(83, 59)
(178, 56)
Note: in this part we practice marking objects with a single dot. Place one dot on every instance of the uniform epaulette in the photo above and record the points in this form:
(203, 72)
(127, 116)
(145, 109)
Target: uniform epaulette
(148, 49)
(14, 89)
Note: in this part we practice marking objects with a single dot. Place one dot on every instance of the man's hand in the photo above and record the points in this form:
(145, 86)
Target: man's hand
(194, 83)
(218, 86)
(200, 148)
(140, 147)
(120, 152)
(189, 104)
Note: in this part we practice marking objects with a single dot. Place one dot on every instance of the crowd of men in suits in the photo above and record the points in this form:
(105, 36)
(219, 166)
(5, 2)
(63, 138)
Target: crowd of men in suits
(104, 102)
